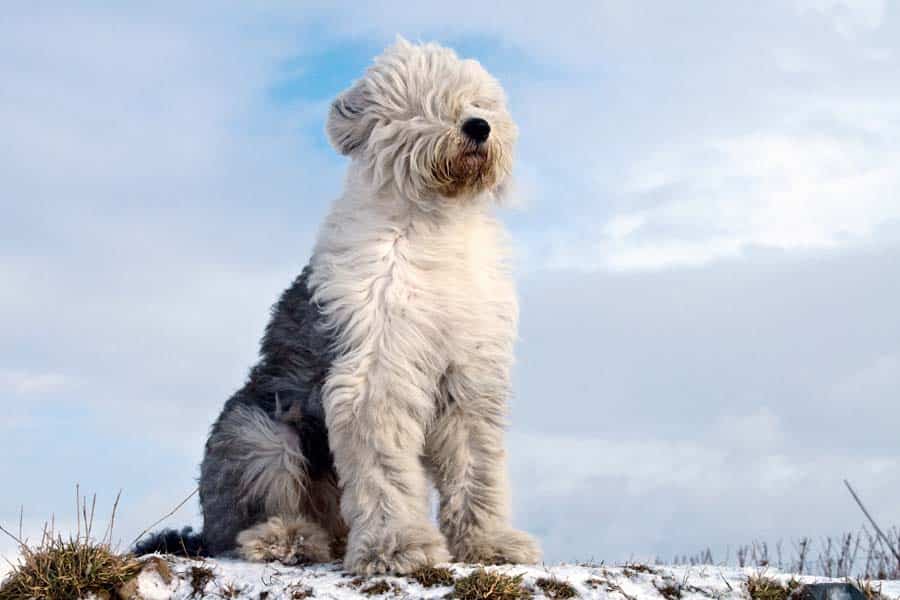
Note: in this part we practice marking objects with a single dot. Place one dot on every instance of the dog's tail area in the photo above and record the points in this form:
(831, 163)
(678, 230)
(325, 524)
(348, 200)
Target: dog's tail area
(171, 541)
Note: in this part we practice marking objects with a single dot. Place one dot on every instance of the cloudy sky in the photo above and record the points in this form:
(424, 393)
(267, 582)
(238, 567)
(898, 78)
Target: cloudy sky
(708, 242)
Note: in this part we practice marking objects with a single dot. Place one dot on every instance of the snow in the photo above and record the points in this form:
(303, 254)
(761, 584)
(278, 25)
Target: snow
(238, 579)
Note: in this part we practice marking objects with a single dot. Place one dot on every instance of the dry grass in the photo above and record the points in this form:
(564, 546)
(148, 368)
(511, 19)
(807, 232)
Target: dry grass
(231, 590)
(376, 588)
(612, 587)
(556, 589)
(668, 589)
(595, 583)
(433, 576)
(631, 569)
(301, 592)
(487, 585)
(869, 590)
(863, 554)
(200, 575)
(761, 587)
(70, 567)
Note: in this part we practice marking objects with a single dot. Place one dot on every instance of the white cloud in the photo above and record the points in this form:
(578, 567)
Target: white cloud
(27, 383)
(777, 190)
(849, 17)
(793, 188)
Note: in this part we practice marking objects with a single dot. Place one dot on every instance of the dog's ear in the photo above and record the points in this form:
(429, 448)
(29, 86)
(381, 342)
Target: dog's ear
(348, 125)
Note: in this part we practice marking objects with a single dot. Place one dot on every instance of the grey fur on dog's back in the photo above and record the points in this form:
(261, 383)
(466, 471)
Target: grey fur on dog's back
(281, 400)
(285, 386)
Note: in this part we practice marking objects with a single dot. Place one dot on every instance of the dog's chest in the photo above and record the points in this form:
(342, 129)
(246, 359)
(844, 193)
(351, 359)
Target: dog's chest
(455, 283)
(436, 290)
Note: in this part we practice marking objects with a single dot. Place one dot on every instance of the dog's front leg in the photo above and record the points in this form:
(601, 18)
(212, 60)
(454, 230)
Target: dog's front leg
(376, 412)
(465, 451)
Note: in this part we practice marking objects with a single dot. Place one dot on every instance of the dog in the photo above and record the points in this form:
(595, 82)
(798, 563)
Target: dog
(386, 365)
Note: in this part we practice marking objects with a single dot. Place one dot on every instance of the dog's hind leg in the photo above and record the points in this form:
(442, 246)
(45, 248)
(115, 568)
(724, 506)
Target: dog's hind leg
(289, 540)
(255, 490)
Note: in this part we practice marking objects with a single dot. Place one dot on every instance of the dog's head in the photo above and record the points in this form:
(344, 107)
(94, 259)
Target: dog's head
(425, 121)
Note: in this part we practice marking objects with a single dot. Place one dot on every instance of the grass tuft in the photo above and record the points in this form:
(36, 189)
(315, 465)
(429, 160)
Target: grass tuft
(231, 590)
(301, 592)
(669, 590)
(376, 588)
(554, 588)
(612, 587)
(869, 590)
(487, 585)
(200, 576)
(761, 587)
(72, 567)
(68, 568)
(630, 569)
(433, 576)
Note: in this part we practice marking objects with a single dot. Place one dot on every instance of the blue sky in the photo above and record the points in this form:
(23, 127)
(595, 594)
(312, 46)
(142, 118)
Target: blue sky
(707, 232)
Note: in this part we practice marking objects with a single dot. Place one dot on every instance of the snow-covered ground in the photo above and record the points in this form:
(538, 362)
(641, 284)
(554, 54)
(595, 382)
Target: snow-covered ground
(236, 579)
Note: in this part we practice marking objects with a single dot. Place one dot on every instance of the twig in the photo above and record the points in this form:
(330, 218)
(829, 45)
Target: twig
(23, 547)
(872, 521)
(11, 535)
(11, 564)
(90, 522)
(730, 589)
(45, 535)
(78, 511)
(112, 520)
(52, 524)
(172, 512)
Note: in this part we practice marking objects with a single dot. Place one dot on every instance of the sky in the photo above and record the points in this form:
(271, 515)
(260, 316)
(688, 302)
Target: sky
(707, 236)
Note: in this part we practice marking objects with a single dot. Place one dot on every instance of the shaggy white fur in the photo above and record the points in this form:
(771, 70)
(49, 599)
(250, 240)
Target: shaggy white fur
(411, 278)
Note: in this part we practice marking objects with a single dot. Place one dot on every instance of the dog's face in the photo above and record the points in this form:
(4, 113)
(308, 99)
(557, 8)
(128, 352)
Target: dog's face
(426, 122)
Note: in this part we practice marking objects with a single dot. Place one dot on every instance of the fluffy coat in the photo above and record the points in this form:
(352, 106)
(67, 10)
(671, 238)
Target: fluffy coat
(387, 364)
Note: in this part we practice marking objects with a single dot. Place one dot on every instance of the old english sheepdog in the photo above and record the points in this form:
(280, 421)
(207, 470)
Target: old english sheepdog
(386, 364)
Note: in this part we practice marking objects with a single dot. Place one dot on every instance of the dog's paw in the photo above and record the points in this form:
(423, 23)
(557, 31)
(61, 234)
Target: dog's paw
(289, 540)
(399, 550)
(497, 547)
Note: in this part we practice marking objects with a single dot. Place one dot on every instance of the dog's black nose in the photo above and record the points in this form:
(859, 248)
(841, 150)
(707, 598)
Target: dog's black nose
(476, 129)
